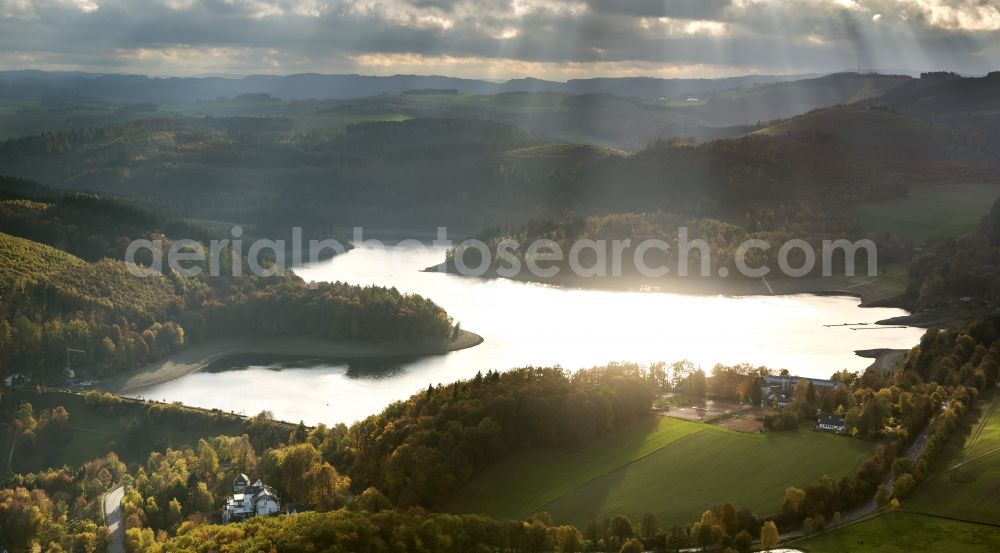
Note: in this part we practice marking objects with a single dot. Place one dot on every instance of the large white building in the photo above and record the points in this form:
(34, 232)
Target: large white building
(250, 500)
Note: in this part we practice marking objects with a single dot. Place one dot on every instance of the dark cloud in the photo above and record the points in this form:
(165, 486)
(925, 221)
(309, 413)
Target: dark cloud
(443, 5)
(547, 38)
(681, 9)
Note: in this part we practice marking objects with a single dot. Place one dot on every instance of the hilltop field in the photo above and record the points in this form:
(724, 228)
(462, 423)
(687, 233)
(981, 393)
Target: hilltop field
(669, 467)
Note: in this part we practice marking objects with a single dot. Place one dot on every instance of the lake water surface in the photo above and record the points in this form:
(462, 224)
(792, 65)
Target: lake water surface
(532, 324)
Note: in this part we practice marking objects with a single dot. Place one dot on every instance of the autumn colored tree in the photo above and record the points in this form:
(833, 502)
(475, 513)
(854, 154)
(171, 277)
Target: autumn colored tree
(631, 546)
(769, 535)
(326, 486)
(743, 542)
(621, 527)
(372, 501)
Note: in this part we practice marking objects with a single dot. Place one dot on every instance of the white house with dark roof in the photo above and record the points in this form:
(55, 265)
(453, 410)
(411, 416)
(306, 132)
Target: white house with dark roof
(831, 423)
(240, 483)
(250, 500)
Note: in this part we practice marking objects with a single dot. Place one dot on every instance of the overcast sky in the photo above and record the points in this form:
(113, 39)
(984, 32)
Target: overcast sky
(500, 39)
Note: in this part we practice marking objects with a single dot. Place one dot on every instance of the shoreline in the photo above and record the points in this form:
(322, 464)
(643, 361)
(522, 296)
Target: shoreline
(879, 291)
(197, 357)
(884, 360)
(872, 291)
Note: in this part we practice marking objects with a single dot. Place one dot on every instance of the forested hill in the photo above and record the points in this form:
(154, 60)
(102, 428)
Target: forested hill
(420, 451)
(51, 300)
(774, 224)
(472, 173)
(76, 86)
(88, 226)
(233, 170)
(964, 267)
(881, 134)
(971, 104)
(26, 263)
(787, 99)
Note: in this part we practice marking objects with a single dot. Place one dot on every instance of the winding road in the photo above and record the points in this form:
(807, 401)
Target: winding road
(113, 518)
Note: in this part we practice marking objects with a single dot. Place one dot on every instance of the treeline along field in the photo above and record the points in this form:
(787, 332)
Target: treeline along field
(94, 424)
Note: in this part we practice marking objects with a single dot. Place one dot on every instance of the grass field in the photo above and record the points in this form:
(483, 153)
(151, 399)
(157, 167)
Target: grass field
(672, 468)
(906, 533)
(93, 434)
(986, 432)
(969, 491)
(930, 213)
(521, 483)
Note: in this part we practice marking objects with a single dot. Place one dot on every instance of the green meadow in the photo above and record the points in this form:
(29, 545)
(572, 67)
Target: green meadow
(930, 213)
(520, 483)
(672, 468)
(967, 482)
(905, 533)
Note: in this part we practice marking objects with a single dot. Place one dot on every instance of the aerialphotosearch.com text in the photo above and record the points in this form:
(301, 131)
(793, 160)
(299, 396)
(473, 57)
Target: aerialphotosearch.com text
(542, 258)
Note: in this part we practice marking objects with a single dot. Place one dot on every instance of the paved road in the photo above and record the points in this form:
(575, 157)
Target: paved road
(113, 518)
(868, 509)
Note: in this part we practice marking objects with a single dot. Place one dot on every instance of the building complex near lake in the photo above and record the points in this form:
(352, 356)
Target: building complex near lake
(777, 389)
(786, 383)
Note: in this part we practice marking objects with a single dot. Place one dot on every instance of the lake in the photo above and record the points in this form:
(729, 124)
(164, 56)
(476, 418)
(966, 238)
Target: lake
(533, 324)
